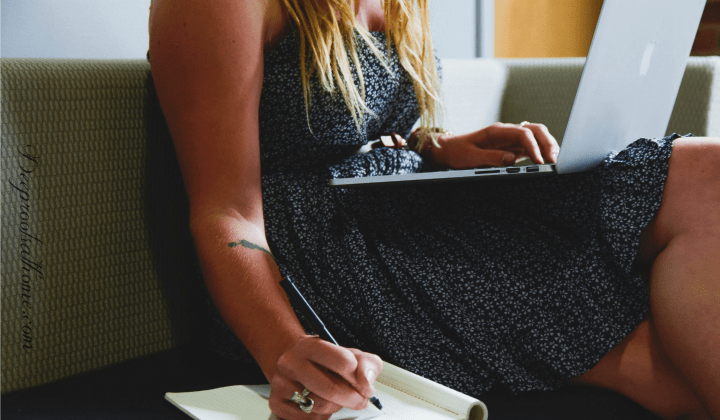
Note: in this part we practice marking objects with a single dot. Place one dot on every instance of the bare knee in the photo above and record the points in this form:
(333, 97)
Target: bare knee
(694, 171)
(691, 197)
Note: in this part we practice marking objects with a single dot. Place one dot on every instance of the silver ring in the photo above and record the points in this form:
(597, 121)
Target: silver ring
(306, 404)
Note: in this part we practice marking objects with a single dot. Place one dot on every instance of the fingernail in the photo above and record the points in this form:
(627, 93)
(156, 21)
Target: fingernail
(554, 155)
(370, 375)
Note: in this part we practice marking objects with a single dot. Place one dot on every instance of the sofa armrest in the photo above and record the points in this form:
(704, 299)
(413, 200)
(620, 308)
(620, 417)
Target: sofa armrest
(543, 90)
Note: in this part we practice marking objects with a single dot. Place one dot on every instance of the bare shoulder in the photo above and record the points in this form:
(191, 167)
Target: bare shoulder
(265, 20)
(207, 66)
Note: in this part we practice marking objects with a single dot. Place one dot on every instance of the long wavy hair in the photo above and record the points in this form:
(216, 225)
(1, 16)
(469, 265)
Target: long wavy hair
(327, 31)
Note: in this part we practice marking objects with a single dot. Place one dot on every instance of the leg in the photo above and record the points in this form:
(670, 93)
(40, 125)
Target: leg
(685, 301)
(671, 363)
(685, 274)
(639, 368)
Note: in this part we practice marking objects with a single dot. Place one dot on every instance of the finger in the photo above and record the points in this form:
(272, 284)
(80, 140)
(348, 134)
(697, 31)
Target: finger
(326, 369)
(280, 401)
(476, 150)
(330, 386)
(322, 353)
(481, 158)
(529, 142)
(332, 357)
(547, 143)
(369, 367)
(521, 135)
(290, 410)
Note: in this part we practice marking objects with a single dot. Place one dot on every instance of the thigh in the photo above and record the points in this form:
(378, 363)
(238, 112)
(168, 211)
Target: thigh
(639, 366)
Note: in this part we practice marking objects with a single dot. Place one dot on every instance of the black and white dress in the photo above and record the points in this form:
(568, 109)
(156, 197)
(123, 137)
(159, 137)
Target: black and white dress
(521, 284)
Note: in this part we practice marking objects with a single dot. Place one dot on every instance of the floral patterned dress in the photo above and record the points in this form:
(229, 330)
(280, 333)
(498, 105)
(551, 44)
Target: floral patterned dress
(520, 283)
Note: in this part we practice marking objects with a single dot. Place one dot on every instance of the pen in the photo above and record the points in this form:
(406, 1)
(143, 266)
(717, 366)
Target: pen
(299, 302)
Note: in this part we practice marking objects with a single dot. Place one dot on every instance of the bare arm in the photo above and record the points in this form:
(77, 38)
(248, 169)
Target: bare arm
(209, 89)
(207, 63)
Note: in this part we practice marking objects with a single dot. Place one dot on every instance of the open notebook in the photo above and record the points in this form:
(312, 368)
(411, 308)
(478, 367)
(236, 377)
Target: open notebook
(404, 396)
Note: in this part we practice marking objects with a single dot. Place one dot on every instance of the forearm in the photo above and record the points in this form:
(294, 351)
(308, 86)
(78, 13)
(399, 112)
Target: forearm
(243, 280)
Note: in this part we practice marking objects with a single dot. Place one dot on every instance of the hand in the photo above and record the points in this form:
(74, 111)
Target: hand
(496, 145)
(336, 377)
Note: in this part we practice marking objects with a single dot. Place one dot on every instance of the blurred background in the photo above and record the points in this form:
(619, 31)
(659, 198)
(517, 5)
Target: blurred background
(461, 28)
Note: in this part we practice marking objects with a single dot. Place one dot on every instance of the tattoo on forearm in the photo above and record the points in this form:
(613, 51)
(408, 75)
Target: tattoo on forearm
(249, 245)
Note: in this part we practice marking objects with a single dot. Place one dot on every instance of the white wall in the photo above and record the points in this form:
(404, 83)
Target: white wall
(118, 28)
(452, 23)
(74, 28)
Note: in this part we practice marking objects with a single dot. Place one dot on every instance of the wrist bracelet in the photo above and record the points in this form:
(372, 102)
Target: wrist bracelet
(425, 138)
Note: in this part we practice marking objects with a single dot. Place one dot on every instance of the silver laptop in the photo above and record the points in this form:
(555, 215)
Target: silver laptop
(627, 90)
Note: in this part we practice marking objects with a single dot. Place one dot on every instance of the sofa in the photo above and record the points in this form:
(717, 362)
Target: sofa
(103, 308)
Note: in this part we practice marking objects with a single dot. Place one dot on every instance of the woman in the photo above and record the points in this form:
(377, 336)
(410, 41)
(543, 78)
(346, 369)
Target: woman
(433, 279)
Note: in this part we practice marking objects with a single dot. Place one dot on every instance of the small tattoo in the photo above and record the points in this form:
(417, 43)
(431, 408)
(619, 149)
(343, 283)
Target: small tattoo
(250, 245)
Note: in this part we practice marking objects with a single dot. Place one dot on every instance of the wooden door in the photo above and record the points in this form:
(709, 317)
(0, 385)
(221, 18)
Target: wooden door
(545, 28)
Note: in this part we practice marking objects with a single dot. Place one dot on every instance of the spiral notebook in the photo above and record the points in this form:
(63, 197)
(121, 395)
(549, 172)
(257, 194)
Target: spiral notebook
(404, 396)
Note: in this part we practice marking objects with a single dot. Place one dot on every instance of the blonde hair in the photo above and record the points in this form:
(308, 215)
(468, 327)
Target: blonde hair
(327, 43)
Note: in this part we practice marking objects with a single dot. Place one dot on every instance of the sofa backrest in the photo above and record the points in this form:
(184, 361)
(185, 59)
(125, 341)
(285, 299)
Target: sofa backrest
(92, 221)
(479, 92)
(472, 93)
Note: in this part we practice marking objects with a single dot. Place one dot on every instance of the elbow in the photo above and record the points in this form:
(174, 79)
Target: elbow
(225, 223)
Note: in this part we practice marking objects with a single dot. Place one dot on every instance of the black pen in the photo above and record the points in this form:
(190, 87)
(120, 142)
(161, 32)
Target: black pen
(298, 301)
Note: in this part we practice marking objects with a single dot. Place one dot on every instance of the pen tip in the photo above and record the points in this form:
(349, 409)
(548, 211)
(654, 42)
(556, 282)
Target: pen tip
(376, 402)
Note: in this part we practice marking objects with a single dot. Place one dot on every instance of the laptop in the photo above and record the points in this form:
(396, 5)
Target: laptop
(627, 91)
